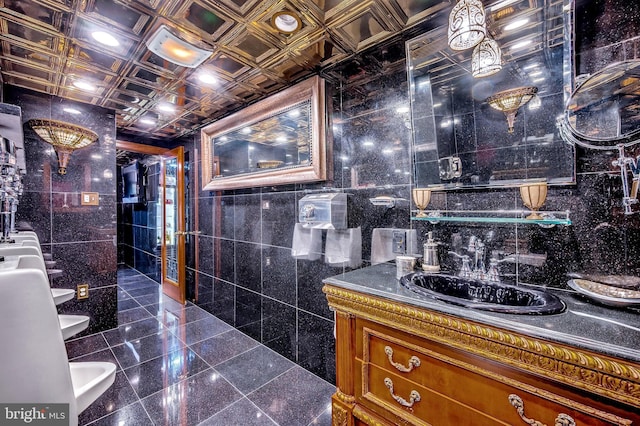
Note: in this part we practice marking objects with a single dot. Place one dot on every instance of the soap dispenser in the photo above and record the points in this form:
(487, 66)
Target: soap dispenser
(430, 262)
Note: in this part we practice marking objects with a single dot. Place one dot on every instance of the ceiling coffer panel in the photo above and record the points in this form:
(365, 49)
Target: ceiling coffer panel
(49, 45)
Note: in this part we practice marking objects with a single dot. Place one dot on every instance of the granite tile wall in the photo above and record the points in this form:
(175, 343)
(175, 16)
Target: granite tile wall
(242, 270)
(82, 239)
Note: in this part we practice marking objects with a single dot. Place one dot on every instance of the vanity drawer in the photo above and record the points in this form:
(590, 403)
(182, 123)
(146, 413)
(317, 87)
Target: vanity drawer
(450, 383)
(402, 401)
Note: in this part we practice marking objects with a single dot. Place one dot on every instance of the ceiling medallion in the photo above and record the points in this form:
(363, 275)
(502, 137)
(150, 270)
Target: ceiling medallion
(467, 25)
(286, 21)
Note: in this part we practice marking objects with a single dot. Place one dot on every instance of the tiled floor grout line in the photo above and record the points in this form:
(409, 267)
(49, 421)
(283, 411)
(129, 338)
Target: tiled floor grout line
(176, 332)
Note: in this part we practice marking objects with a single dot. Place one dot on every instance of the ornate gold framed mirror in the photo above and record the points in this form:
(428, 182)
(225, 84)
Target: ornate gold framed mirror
(279, 140)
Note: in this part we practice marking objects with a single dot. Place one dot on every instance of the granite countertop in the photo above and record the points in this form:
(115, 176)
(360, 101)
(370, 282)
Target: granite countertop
(586, 325)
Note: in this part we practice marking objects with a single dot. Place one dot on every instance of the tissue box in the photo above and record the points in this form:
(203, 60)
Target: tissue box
(324, 211)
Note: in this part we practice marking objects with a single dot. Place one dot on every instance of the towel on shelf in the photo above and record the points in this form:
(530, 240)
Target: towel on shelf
(382, 244)
(344, 247)
(307, 243)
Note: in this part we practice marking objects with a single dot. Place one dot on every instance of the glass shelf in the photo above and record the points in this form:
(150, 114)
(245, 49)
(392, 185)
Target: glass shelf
(550, 218)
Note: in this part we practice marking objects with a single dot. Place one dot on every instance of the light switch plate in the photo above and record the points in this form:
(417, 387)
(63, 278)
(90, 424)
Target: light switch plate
(90, 199)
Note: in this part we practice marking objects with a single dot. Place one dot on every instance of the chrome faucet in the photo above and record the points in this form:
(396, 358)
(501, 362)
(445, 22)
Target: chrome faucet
(476, 270)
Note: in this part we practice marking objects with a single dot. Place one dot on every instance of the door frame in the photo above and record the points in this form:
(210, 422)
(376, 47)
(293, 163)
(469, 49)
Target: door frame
(175, 289)
(177, 292)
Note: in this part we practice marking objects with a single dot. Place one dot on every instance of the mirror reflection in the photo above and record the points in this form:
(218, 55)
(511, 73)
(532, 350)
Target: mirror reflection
(485, 115)
(280, 141)
(605, 109)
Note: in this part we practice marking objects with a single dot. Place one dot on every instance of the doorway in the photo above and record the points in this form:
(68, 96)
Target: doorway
(163, 213)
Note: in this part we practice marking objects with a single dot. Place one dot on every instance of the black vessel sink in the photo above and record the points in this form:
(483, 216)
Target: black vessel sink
(488, 296)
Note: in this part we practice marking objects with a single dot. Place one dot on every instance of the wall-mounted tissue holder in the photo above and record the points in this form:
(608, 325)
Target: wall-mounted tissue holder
(323, 211)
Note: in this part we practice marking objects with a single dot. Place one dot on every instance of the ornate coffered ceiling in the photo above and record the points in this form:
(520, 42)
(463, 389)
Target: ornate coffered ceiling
(47, 46)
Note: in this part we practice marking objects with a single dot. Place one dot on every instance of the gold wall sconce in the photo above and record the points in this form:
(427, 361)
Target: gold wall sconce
(65, 138)
(509, 101)
(467, 25)
(533, 196)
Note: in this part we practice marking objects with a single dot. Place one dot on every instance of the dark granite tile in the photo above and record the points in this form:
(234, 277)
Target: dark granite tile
(176, 317)
(295, 398)
(159, 373)
(279, 327)
(254, 368)
(279, 217)
(101, 307)
(104, 355)
(132, 315)
(131, 415)
(85, 345)
(226, 268)
(248, 315)
(323, 419)
(191, 399)
(146, 291)
(247, 218)
(223, 346)
(140, 350)
(242, 412)
(316, 346)
(132, 331)
(126, 304)
(199, 330)
(248, 267)
(119, 395)
(310, 296)
(279, 274)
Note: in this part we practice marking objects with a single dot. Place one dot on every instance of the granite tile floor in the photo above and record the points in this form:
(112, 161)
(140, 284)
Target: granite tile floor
(180, 365)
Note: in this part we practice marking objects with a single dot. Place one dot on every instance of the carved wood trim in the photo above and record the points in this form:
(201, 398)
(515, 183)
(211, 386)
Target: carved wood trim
(338, 415)
(594, 373)
(550, 396)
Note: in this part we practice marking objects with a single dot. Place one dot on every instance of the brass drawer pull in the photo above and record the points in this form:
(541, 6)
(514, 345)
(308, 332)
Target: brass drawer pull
(561, 420)
(414, 361)
(414, 396)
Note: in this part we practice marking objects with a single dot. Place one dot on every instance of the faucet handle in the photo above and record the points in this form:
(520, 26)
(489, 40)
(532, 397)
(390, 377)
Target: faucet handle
(465, 269)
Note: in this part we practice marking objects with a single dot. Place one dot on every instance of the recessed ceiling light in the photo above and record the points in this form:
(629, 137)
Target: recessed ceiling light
(521, 44)
(105, 38)
(71, 110)
(170, 47)
(166, 107)
(286, 21)
(84, 85)
(207, 78)
(516, 24)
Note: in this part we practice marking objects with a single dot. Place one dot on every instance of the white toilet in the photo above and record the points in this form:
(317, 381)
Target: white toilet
(33, 358)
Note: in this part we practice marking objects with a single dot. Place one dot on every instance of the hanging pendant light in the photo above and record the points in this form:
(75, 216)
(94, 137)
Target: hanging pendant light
(467, 25)
(486, 59)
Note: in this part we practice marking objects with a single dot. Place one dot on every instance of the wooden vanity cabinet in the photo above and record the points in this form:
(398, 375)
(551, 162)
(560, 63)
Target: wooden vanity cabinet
(399, 364)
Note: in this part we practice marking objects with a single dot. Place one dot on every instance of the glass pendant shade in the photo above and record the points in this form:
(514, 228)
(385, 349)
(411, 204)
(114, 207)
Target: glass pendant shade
(509, 101)
(467, 25)
(486, 59)
(65, 138)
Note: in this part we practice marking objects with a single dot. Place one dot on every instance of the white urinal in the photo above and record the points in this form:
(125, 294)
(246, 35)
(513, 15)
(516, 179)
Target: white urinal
(33, 358)
(69, 324)
(60, 295)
